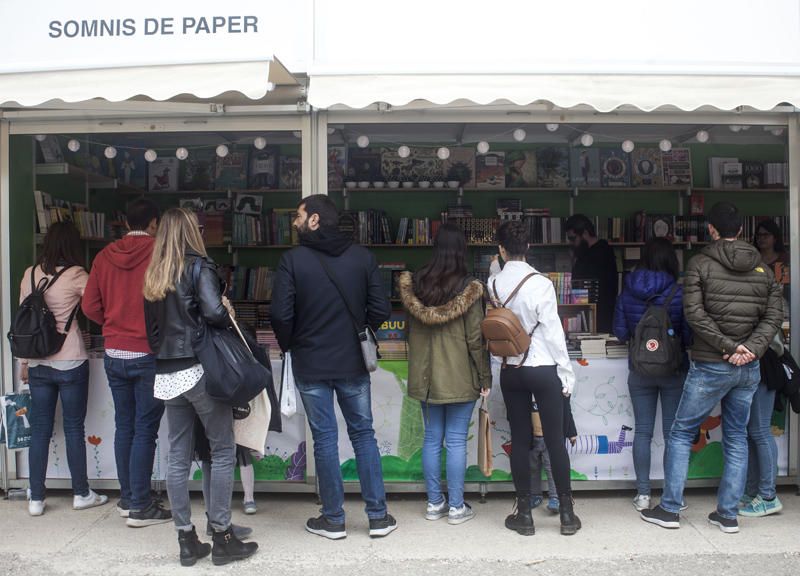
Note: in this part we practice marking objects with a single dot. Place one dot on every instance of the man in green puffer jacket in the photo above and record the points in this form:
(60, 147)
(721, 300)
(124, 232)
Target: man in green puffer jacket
(734, 307)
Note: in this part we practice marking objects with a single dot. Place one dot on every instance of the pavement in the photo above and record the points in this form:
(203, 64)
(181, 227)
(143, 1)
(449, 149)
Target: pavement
(613, 541)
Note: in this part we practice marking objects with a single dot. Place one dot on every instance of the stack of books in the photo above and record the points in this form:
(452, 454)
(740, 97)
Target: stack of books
(593, 346)
(616, 349)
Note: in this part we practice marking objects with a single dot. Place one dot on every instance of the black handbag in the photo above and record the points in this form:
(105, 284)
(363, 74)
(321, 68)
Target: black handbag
(233, 375)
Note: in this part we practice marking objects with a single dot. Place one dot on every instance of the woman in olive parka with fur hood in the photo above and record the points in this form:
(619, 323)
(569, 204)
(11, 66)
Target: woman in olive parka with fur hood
(448, 365)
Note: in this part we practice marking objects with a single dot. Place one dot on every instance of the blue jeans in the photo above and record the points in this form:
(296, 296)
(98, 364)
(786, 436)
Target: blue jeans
(707, 384)
(762, 465)
(355, 402)
(645, 392)
(137, 415)
(46, 385)
(448, 423)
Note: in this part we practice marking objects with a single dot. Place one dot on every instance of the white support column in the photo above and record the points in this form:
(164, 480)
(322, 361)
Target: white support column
(6, 360)
(793, 158)
(307, 146)
(320, 121)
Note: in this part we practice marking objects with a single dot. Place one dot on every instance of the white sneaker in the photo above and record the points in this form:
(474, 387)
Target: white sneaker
(36, 507)
(641, 502)
(89, 501)
(460, 515)
(436, 511)
(684, 506)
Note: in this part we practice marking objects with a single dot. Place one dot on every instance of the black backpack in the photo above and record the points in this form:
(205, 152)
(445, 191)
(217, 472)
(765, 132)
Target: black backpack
(655, 349)
(34, 332)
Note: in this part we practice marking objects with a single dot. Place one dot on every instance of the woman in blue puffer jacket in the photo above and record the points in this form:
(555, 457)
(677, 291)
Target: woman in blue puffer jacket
(651, 283)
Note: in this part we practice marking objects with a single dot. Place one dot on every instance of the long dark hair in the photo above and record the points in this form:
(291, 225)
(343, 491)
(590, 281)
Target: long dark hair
(659, 256)
(774, 229)
(62, 247)
(439, 280)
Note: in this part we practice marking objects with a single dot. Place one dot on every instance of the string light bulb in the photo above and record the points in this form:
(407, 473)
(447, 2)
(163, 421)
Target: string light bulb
(665, 145)
(260, 143)
(702, 136)
(519, 134)
(40, 137)
(362, 141)
(443, 153)
(776, 131)
(404, 151)
(483, 147)
(553, 127)
(735, 128)
(222, 150)
(150, 155)
(181, 153)
(587, 140)
(110, 152)
(628, 146)
(73, 145)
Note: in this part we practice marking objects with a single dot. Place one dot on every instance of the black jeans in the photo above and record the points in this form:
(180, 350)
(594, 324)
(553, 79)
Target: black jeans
(543, 383)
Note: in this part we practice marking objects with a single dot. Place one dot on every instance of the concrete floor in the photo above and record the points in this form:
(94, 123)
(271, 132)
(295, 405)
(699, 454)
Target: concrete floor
(613, 541)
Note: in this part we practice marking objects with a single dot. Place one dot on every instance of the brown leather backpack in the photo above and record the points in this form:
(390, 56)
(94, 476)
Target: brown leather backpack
(503, 331)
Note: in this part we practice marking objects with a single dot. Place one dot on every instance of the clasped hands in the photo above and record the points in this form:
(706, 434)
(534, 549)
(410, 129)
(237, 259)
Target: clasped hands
(741, 357)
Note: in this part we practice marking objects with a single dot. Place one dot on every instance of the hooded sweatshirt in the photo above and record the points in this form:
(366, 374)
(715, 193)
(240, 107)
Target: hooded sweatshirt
(730, 297)
(310, 317)
(113, 297)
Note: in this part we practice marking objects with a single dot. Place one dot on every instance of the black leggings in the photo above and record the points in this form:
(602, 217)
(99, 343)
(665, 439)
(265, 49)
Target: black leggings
(518, 384)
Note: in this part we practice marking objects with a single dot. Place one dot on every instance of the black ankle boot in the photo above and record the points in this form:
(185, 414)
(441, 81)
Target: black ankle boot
(228, 548)
(570, 524)
(521, 521)
(191, 547)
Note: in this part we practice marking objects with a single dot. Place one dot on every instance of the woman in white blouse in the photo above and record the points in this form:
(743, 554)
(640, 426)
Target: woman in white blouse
(179, 300)
(544, 372)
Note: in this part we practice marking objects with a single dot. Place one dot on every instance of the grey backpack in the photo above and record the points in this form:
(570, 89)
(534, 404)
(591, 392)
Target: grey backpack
(655, 349)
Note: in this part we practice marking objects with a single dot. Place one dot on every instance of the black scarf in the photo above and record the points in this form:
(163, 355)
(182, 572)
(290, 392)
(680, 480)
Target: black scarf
(327, 240)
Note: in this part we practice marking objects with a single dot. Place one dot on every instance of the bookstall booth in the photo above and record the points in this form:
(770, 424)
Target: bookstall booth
(402, 140)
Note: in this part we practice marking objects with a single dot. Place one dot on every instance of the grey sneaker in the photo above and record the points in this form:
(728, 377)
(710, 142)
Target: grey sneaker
(641, 502)
(436, 511)
(460, 515)
(250, 507)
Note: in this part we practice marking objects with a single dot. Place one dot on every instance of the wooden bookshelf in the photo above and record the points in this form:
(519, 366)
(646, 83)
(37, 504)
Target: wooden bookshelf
(226, 192)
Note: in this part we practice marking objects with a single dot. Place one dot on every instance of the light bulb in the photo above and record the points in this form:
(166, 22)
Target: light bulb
(745, 127)
(404, 151)
(777, 131)
(628, 146)
(735, 128)
(40, 137)
(483, 147)
(331, 130)
(181, 153)
(362, 141)
(150, 155)
(297, 134)
(443, 153)
(519, 134)
(260, 143)
(587, 140)
(110, 152)
(73, 145)
(702, 136)
(665, 145)
(222, 150)
(551, 127)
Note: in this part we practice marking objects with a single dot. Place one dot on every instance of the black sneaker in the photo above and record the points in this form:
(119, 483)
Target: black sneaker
(661, 517)
(727, 525)
(321, 526)
(382, 527)
(153, 514)
(124, 508)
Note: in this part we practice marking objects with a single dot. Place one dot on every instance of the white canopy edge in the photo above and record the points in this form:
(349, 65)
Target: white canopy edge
(253, 79)
(604, 93)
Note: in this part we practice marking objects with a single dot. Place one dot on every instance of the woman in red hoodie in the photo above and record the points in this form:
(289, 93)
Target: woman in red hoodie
(113, 299)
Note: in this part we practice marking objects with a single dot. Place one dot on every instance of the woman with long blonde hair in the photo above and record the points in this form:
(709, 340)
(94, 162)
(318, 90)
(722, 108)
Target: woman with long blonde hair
(182, 292)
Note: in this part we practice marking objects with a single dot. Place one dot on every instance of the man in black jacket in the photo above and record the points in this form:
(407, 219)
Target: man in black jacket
(594, 260)
(311, 319)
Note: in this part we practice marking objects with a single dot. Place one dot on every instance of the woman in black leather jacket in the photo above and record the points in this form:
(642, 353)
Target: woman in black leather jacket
(178, 300)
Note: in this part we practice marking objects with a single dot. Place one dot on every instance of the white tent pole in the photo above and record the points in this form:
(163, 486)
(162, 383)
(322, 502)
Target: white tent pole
(793, 159)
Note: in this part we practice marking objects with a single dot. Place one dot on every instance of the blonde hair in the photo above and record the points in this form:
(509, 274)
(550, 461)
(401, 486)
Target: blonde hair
(177, 232)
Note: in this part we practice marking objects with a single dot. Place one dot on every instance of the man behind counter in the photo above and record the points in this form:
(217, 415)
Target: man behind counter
(594, 260)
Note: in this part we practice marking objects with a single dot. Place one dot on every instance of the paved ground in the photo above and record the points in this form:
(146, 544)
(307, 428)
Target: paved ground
(613, 541)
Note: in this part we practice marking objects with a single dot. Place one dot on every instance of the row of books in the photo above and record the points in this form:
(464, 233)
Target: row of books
(50, 210)
(367, 227)
(246, 283)
(734, 174)
(574, 291)
(544, 167)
